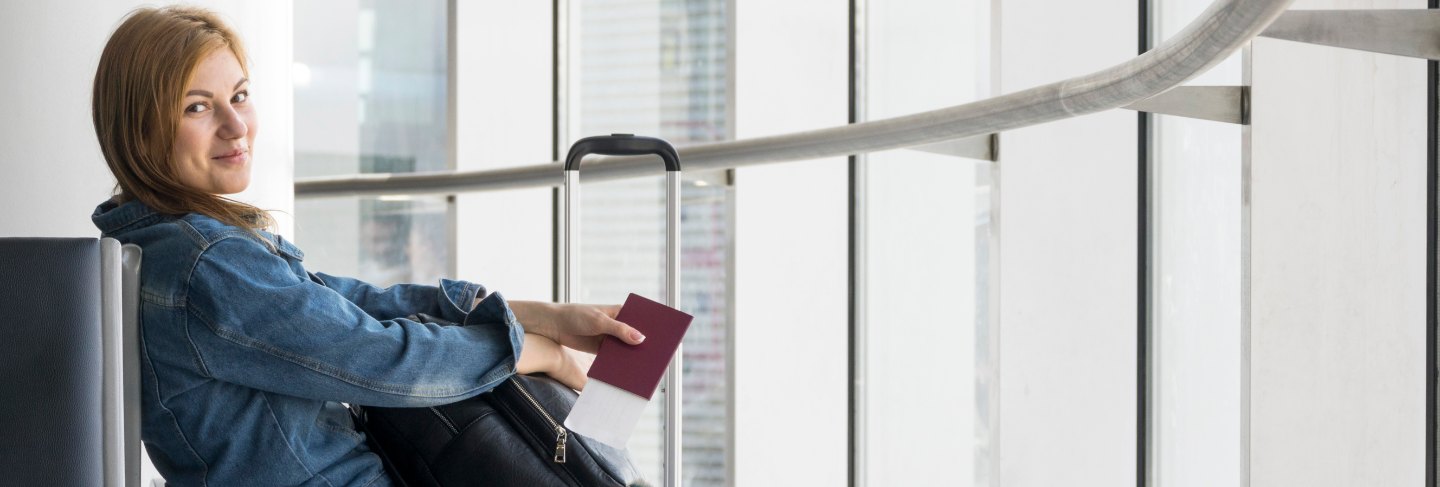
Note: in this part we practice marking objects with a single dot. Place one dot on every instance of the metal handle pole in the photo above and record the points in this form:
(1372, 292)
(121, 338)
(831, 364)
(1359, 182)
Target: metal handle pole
(672, 299)
(627, 144)
(570, 262)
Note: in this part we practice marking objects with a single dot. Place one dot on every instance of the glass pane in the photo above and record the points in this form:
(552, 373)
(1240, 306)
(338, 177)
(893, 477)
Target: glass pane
(926, 238)
(370, 97)
(658, 67)
(1195, 285)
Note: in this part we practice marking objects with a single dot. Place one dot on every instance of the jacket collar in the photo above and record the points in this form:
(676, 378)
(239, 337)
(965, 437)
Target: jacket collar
(112, 217)
(284, 246)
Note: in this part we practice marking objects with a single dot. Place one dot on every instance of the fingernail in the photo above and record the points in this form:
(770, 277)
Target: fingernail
(636, 337)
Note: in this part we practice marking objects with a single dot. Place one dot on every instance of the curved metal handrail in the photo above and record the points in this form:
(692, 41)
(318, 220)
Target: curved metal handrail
(1218, 31)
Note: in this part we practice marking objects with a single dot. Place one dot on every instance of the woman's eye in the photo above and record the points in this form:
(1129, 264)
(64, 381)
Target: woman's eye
(197, 108)
(240, 97)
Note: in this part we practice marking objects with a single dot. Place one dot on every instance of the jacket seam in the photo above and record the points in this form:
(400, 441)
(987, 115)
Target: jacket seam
(158, 300)
(129, 223)
(207, 238)
(325, 369)
(195, 350)
(184, 302)
(160, 400)
(467, 289)
(286, 248)
(141, 216)
(194, 233)
(339, 429)
(377, 476)
(288, 447)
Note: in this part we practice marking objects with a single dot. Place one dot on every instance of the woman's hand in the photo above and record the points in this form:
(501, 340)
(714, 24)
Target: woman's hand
(543, 355)
(578, 326)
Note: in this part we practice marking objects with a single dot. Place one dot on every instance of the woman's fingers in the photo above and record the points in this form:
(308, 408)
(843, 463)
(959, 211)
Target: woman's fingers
(610, 326)
(583, 327)
(612, 310)
(626, 333)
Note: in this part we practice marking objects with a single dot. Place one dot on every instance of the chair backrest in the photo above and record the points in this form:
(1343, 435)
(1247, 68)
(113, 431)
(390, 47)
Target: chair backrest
(69, 404)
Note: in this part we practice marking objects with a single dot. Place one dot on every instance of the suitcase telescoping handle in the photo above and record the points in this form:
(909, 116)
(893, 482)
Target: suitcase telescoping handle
(622, 145)
(631, 145)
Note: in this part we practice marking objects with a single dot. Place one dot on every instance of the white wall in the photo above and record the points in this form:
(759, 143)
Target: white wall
(790, 249)
(1067, 224)
(54, 174)
(1337, 264)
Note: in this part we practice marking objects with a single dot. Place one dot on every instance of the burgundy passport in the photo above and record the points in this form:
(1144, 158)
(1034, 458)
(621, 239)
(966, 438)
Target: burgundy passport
(638, 368)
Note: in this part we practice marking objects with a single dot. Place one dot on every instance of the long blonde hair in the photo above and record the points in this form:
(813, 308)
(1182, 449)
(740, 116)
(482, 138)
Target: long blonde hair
(136, 106)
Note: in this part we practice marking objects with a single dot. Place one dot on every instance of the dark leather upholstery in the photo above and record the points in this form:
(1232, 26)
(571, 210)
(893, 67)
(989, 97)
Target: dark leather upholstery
(50, 362)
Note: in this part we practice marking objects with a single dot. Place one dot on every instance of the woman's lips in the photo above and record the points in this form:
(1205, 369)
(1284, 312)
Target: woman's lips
(233, 157)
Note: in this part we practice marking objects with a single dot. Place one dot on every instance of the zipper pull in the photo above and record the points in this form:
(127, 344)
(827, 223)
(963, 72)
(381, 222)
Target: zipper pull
(560, 435)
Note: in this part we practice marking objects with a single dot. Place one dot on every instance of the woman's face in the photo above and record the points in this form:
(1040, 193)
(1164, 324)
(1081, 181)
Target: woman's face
(217, 127)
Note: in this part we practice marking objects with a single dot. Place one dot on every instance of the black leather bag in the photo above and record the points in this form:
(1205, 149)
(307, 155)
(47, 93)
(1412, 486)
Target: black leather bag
(509, 436)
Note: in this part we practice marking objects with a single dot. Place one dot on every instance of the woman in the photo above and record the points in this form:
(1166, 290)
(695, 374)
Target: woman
(245, 356)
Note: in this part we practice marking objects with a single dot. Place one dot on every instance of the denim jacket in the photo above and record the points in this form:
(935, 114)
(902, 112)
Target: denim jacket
(246, 357)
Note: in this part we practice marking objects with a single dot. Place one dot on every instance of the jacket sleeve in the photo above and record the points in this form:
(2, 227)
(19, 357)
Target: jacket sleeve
(450, 300)
(255, 322)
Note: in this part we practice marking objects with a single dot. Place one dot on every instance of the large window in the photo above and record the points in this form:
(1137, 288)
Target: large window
(374, 94)
(371, 96)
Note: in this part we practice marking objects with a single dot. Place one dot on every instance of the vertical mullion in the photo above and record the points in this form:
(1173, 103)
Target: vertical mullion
(452, 153)
(559, 72)
(1247, 57)
(730, 224)
(1432, 172)
(1143, 265)
(857, 235)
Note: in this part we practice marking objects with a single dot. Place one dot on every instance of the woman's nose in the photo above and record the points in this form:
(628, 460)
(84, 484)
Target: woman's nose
(232, 125)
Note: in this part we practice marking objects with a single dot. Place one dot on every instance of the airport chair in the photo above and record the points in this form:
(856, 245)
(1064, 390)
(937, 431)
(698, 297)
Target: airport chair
(69, 369)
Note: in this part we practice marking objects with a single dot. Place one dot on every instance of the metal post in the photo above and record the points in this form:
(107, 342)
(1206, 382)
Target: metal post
(570, 262)
(672, 299)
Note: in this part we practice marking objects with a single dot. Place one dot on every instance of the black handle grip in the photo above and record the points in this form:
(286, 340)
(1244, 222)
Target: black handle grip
(622, 145)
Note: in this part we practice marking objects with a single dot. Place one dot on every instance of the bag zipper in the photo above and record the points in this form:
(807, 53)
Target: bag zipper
(445, 419)
(560, 432)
